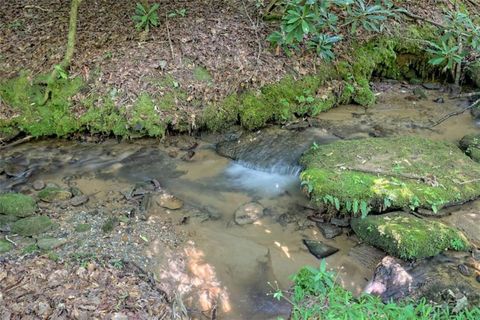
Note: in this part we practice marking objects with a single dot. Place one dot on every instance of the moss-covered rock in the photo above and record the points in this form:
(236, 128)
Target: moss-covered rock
(32, 226)
(408, 237)
(357, 176)
(471, 145)
(474, 73)
(53, 194)
(5, 246)
(16, 204)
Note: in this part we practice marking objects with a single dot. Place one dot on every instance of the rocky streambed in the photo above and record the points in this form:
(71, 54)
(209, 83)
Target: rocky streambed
(207, 222)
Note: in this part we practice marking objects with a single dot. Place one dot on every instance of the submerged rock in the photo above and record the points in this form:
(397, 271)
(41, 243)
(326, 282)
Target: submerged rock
(168, 201)
(431, 278)
(249, 213)
(319, 249)
(32, 226)
(38, 185)
(54, 194)
(329, 231)
(376, 174)
(273, 149)
(408, 237)
(17, 204)
(78, 200)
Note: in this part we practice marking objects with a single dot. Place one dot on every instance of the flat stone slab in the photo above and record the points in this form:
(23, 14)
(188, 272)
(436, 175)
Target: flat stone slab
(376, 174)
(319, 249)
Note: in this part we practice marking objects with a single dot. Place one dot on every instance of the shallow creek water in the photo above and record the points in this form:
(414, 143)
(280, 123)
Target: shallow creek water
(222, 264)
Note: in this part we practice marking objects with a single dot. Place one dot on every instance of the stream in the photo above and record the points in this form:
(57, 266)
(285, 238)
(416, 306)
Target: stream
(218, 264)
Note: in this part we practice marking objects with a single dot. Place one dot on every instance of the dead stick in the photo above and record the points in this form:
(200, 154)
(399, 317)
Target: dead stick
(16, 143)
(169, 39)
(467, 95)
(373, 171)
(456, 113)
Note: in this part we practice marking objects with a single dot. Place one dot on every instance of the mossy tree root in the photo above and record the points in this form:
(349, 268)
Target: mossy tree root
(67, 59)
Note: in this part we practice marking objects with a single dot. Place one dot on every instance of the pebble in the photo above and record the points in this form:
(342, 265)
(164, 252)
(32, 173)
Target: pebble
(78, 200)
(329, 231)
(464, 270)
(38, 185)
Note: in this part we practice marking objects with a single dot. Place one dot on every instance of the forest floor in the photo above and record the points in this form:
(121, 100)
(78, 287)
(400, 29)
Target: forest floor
(217, 48)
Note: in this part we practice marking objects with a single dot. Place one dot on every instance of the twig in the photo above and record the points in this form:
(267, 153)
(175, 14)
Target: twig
(36, 7)
(16, 143)
(169, 39)
(255, 28)
(11, 241)
(456, 113)
(465, 182)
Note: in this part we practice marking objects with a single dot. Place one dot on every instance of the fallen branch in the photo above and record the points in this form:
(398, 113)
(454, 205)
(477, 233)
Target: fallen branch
(17, 142)
(169, 38)
(455, 113)
(416, 17)
(465, 182)
(387, 173)
(467, 95)
(11, 241)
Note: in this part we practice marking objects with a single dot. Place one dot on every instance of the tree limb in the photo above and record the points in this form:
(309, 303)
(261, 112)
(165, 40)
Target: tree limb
(455, 113)
(72, 33)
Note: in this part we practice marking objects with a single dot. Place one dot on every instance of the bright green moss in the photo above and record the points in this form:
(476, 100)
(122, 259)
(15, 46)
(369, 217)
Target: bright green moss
(381, 173)
(408, 237)
(102, 117)
(16, 204)
(145, 118)
(254, 112)
(363, 95)
(53, 194)
(220, 116)
(5, 246)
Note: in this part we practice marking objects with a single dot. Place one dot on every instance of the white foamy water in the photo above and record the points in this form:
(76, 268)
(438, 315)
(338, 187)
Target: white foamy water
(273, 182)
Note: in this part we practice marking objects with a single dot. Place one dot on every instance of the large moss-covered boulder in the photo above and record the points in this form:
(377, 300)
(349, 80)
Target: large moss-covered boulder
(408, 237)
(17, 204)
(358, 176)
(32, 226)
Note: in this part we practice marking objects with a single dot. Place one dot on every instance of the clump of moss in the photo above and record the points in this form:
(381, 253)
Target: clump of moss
(32, 226)
(25, 95)
(201, 74)
(52, 194)
(5, 246)
(145, 118)
(102, 117)
(379, 173)
(109, 225)
(82, 227)
(220, 116)
(17, 205)
(408, 237)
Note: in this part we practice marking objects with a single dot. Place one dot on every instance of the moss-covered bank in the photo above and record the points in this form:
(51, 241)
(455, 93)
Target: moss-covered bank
(345, 81)
(408, 237)
(357, 176)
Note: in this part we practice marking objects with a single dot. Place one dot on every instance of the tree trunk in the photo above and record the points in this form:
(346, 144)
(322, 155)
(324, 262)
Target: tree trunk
(72, 33)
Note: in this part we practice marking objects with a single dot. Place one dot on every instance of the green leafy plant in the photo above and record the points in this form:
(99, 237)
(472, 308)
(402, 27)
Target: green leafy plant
(178, 13)
(314, 25)
(146, 16)
(316, 295)
(460, 38)
(369, 17)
